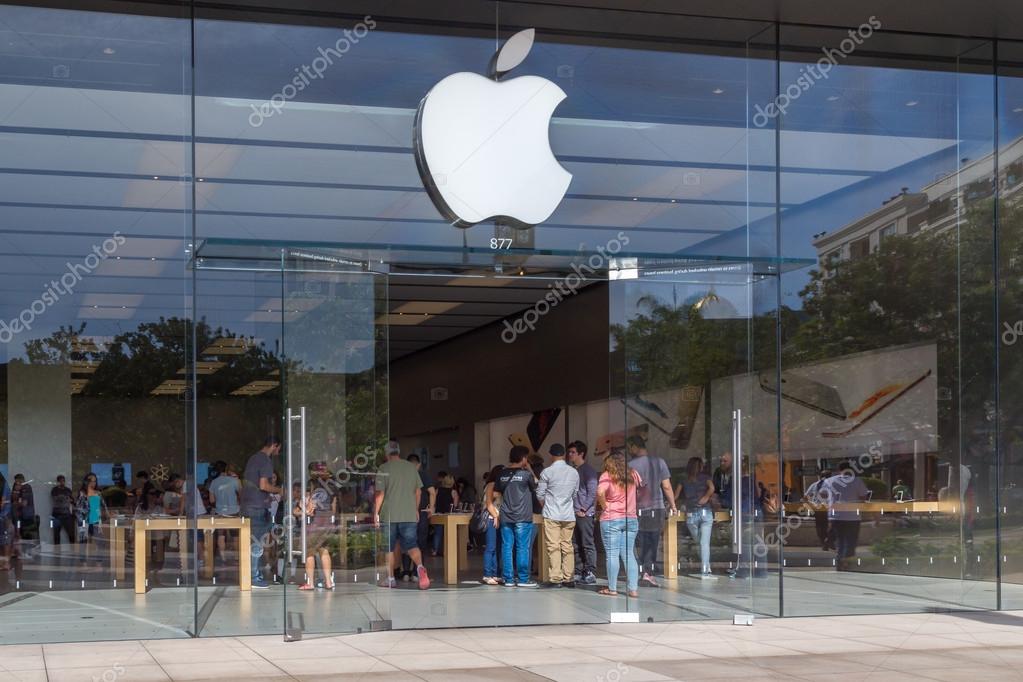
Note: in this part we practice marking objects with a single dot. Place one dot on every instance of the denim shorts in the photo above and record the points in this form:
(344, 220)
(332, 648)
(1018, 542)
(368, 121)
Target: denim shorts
(403, 532)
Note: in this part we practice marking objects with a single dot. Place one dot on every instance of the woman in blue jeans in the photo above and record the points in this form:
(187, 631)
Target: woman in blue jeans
(619, 524)
(491, 572)
(698, 491)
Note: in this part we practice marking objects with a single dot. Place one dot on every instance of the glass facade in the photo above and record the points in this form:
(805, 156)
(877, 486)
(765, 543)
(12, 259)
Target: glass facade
(779, 288)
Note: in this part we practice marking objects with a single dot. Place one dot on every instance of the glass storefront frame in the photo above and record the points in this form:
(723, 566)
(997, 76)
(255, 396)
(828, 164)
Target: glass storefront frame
(974, 83)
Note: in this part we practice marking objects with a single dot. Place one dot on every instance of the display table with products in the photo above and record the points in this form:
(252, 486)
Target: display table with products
(208, 524)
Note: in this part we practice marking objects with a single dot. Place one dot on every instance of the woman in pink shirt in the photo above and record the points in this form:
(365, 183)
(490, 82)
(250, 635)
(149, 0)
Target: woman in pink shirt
(616, 497)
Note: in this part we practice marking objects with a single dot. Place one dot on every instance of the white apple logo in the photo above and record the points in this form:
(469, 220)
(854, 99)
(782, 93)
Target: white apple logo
(482, 145)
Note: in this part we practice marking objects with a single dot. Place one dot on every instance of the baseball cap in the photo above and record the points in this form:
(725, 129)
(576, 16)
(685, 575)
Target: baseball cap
(392, 448)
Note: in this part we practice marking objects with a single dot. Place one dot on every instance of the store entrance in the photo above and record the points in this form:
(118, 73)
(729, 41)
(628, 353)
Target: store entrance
(462, 355)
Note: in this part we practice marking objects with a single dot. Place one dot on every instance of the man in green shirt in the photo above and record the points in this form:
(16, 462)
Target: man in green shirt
(396, 503)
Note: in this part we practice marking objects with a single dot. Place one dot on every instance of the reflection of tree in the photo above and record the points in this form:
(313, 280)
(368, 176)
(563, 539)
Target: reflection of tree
(669, 346)
(133, 363)
(932, 286)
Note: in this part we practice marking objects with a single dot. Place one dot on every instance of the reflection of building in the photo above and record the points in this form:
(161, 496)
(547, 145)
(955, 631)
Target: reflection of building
(936, 206)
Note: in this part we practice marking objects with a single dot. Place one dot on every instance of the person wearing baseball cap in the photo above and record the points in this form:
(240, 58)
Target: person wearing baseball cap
(556, 491)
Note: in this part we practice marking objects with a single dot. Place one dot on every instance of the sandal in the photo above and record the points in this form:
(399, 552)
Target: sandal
(490, 581)
(606, 592)
(307, 587)
(634, 594)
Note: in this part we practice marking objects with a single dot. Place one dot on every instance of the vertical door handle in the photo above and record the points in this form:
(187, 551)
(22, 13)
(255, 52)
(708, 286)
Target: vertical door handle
(737, 480)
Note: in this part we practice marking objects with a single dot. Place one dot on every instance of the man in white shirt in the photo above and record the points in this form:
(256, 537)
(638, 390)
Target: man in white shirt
(556, 491)
(845, 491)
(816, 496)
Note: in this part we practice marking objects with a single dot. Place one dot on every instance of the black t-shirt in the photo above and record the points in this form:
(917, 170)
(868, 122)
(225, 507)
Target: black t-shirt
(517, 488)
(62, 500)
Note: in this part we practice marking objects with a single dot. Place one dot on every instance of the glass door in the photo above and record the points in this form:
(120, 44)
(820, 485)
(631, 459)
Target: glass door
(334, 380)
(697, 424)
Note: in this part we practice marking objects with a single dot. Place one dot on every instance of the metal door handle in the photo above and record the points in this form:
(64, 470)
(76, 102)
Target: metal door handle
(737, 480)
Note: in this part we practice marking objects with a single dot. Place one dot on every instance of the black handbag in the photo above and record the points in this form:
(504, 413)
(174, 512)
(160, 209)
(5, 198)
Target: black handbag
(481, 520)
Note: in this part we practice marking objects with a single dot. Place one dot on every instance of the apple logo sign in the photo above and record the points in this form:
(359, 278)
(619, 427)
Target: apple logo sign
(482, 145)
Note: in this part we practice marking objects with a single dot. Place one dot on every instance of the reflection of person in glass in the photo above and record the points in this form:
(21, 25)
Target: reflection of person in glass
(845, 490)
(816, 496)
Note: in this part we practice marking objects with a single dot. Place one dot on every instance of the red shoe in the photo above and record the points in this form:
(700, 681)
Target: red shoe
(424, 579)
(306, 588)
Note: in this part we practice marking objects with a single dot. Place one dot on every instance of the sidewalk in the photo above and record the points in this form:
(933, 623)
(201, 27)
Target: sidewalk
(962, 646)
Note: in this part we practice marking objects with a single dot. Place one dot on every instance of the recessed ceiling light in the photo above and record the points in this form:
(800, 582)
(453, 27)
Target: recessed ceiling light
(718, 91)
(156, 177)
(109, 50)
(912, 103)
(832, 98)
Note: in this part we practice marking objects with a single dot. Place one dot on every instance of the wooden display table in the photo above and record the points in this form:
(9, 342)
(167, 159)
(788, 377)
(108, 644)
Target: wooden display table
(181, 524)
(886, 507)
(456, 542)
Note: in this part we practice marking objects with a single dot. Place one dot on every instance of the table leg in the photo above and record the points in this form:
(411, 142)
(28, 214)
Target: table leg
(343, 544)
(119, 549)
(463, 544)
(210, 539)
(671, 547)
(450, 551)
(244, 556)
(141, 550)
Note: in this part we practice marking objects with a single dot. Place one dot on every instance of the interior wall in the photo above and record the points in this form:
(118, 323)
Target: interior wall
(563, 361)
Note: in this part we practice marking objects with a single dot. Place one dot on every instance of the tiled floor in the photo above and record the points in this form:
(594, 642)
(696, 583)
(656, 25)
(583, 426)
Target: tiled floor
(974, 647)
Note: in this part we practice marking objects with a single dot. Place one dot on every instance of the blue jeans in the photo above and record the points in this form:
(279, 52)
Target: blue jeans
(259, 526)
(620, 547)
(700, 523)
(438, 540)
(517, 537)
(490, 552)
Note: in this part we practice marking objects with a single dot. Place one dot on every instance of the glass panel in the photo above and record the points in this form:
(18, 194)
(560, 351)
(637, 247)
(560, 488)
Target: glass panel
(681, 345)
(238, 407)
(335, 321)
(1010, 269)
(887, 368)
(95, 218)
